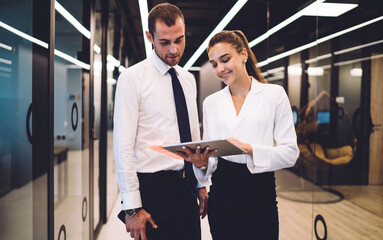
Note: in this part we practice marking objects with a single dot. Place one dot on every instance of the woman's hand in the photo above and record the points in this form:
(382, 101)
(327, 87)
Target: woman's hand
(245, 146)
(198, 159)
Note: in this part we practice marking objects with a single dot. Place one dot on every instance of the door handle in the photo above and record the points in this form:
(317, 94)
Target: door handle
(31, 135)
(375, 127)
(362, 123)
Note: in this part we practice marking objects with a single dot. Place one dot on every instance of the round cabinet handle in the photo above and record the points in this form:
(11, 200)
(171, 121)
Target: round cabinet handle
(319, 218)
(62, 231)
(74, 124)
(362, 123)
(84, 209)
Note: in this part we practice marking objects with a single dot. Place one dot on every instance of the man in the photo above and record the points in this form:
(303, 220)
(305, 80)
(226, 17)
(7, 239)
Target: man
(158, 193)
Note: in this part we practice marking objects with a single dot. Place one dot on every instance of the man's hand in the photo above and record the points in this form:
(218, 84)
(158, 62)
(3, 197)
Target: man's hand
(198, 159)
(203, 198)
(136, 225)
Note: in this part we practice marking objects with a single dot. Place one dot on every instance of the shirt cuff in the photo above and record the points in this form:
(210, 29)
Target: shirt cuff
(131, 200)
(204, 177)
(260, 159)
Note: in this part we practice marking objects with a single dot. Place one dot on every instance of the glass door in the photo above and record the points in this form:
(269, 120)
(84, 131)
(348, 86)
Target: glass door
(16, 108)
(71, 122)
(281, 58)
(347, 140)
(24, 119)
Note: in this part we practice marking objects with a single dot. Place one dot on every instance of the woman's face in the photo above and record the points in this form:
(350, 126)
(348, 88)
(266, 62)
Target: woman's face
(228, 65)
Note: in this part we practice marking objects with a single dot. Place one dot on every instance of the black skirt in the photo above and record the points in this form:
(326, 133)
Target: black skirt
(242, 205)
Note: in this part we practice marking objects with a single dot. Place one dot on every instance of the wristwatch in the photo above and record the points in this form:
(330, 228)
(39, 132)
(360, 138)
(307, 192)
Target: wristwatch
(132, 212)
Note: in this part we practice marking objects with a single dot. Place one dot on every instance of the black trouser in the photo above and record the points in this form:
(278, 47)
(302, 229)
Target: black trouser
(242, 205)
(173, 205)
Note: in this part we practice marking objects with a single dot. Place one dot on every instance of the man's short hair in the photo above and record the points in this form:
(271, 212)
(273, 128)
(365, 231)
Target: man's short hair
(165, 12)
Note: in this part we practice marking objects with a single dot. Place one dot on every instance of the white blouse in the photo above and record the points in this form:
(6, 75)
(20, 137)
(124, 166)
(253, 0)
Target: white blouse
(265, 121)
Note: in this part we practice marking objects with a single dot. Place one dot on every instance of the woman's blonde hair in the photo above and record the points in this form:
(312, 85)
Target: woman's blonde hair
(239, 42)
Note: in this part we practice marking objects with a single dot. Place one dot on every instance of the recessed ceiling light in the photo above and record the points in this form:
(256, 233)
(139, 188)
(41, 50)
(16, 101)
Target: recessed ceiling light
(315, 71)
(356, 72)
(322, 9)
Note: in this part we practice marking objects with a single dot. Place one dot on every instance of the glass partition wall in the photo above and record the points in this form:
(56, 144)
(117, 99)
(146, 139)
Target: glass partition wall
(330, 66)
(71, 123)
(15, 104)
(24, 120)
(346, 149)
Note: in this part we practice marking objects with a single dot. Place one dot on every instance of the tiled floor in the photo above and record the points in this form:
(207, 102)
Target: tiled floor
(115, 229)
(345, 219)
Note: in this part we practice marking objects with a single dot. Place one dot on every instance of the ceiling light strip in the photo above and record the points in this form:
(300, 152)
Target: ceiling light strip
(72, 20)
(321, 40)
(229, 16)
(72, 59)
(281, 25)
(276, 70)
(5, 69)
(44, 45)
(195, 69)
(358, 47)
(23, 35)
(96, 48)
(143, 4)
(5, 61)
(358, 60)
(6, 47)
(312, 60)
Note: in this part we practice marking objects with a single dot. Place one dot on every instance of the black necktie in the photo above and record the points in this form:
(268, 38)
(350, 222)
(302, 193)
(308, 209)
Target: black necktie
(183, 121)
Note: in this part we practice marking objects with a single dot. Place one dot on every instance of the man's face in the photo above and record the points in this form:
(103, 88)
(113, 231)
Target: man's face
(169, 42)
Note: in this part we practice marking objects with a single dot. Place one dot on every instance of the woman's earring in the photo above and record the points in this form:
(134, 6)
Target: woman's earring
(244, 60)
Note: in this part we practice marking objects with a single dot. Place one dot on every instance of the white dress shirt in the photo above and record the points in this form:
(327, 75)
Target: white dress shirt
(144, 115)
(265, 121)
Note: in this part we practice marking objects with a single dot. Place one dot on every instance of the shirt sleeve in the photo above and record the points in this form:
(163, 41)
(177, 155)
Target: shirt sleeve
(126, 115)
(204, 178)
(195, 127)
(285, 151)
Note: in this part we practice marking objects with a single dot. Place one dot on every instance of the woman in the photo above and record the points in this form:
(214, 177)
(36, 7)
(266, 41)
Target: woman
(257, 117)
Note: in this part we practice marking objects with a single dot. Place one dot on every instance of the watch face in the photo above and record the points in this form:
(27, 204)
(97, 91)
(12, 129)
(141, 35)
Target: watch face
(130, 212)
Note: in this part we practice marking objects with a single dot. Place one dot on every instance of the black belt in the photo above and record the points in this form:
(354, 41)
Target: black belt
(178, 174)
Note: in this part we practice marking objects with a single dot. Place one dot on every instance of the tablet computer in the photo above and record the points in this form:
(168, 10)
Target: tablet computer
(224, 147)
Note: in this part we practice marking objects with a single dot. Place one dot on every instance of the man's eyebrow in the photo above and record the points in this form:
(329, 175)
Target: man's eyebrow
(167, 40)
(179, 38)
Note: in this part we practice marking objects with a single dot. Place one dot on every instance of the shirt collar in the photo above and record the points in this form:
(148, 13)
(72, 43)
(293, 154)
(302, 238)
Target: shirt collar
(162, 67)
(255, 88)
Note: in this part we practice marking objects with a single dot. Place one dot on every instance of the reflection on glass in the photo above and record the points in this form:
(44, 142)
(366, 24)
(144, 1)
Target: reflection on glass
(16, 205)
(71, 129)
(332, 71)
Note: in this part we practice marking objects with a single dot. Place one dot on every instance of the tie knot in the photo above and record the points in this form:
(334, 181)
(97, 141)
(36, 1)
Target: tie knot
(172, 72)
